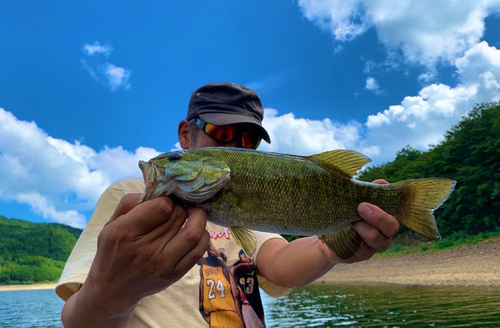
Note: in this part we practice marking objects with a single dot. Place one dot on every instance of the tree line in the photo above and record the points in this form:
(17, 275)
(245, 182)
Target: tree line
(469, 154)
(33, 252)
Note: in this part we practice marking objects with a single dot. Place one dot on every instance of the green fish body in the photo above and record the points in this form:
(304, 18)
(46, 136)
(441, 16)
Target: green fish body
(315, 195)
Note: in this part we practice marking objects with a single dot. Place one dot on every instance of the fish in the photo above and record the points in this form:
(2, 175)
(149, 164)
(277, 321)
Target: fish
(289, 194)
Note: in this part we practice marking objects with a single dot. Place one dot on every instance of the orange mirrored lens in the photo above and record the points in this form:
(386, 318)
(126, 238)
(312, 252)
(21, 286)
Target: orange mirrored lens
(223, 133)
(250, 141)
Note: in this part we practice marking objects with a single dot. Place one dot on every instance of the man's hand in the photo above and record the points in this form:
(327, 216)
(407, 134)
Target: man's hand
(143, 249)
(376, 231)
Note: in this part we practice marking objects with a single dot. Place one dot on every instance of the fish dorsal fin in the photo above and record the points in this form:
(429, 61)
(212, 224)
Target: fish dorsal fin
(345, 161)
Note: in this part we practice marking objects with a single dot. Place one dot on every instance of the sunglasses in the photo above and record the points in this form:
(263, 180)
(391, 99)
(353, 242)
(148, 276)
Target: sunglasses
(226, 133)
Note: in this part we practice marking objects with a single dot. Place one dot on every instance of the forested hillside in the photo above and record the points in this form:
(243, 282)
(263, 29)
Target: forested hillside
(469, 154)
(33, 252)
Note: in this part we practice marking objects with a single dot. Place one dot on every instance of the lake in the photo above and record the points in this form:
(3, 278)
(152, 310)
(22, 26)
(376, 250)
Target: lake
(30, 308)
(316, 306)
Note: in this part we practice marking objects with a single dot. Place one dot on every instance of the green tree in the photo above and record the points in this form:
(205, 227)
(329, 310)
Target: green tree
(469, 154)
(33, 252)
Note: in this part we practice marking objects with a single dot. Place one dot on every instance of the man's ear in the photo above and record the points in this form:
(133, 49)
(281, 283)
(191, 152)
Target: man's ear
(184, 135)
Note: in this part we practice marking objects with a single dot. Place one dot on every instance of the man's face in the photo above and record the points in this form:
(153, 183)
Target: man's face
(203, 140)
(193, 137)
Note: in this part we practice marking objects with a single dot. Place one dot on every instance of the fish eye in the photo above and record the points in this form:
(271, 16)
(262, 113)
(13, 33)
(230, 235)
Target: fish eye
(174, 157)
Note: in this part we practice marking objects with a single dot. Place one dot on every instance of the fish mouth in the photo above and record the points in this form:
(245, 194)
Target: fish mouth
(154, 187)
(149, 190)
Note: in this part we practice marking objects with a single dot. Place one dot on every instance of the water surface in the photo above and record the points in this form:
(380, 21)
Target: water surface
(30, 308)
(316, 306)
(385, 306)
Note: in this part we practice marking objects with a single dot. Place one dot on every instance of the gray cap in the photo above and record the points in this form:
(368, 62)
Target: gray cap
(226, 104)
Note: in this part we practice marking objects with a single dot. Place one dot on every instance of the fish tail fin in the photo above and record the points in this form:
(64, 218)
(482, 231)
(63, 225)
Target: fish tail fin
(422, 197)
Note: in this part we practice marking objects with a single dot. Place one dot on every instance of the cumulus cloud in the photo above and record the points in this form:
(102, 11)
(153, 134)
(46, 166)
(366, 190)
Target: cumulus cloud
(422, 119)
(59, 179)
(56, 178)
(302, 136)
(425, 32)
(103, 72)
(419, 120)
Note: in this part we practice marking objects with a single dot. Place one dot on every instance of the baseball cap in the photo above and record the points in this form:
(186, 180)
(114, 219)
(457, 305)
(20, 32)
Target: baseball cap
(227, 104)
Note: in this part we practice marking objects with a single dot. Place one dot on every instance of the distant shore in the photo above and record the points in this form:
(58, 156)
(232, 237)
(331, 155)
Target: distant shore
(11, 288)
(468, 266)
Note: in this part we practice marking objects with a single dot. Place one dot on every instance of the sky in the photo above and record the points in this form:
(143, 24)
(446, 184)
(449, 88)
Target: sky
(88, 89)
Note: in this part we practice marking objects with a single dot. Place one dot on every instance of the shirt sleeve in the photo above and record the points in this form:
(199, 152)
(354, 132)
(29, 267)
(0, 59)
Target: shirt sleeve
(270, 288)
(79, 262)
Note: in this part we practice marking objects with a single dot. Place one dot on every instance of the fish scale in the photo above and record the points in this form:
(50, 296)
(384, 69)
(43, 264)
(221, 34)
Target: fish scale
(296, 197)
(314, 195)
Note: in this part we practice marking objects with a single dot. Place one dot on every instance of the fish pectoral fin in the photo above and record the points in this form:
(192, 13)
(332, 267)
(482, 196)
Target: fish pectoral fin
(348, 162)
(345, 242)
(245, 239)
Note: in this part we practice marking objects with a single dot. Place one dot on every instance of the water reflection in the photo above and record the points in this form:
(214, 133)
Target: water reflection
(384, 306)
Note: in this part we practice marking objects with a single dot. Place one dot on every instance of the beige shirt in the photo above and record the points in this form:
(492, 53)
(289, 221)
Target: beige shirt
(178, 305)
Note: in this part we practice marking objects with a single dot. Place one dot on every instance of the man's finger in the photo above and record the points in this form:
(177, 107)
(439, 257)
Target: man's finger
(147, 216)
(194, 255)
(188, 236)
(374, 216)
(371, 235)
(126, 204)
(169, 228)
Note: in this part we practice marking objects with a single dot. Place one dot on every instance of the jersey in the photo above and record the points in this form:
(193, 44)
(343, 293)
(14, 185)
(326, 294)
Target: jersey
(179, 304)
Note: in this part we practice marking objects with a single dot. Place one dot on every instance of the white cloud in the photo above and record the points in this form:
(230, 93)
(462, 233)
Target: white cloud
(42, 207)
(343, 18)
(425, 31)
(372, 85)
(176, 147)
(428, 33)
(97, 48)
(422, 120)
(102, 71)
(419, 120)
(55, 177)
(305, 137)
(118, 77)
(58, 179)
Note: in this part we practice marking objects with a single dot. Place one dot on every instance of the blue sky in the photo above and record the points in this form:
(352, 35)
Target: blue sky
(88, 89)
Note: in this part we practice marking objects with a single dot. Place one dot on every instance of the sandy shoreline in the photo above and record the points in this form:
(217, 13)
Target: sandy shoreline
(11, 288)
(467, 266)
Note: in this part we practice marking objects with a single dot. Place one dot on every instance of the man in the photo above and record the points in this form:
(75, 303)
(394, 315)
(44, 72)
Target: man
(135, 262)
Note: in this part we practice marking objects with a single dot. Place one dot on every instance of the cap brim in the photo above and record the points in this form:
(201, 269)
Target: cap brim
(228, 119)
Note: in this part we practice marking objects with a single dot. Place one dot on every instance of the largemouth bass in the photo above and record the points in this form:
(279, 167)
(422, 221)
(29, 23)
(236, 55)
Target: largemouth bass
(314, 195)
